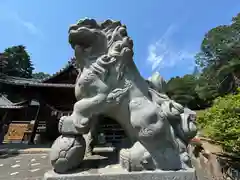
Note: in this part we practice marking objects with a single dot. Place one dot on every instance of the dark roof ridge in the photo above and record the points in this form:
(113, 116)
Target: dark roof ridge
(19, 81)
(5, 103)
(4, 76)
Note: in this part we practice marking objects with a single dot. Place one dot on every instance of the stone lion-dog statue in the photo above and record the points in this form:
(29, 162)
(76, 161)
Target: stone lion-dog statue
(109, 83)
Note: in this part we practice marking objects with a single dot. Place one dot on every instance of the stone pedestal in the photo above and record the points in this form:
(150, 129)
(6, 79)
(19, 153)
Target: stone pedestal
(116, 173)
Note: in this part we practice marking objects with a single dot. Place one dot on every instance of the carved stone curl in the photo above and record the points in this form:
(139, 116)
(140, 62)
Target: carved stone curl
(109, 83)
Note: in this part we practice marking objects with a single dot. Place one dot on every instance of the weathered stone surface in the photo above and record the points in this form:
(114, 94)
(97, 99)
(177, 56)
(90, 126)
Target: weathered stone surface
(67, 152)
(120, 174)
(110, 84)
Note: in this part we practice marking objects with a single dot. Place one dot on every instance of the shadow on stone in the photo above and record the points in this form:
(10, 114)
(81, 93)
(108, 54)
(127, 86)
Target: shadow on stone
(8, 154)
(92, 163)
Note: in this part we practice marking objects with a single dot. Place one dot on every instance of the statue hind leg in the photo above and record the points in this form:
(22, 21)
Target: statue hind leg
(129, 160)
(155, 148)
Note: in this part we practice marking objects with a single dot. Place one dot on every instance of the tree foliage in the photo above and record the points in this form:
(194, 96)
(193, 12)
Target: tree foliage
(220, 59)
(3, 62)
(218, 82)
(40, 75)
(221, 122)
(17, 62)
(183, 91)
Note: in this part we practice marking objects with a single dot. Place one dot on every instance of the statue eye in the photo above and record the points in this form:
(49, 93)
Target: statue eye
(109, 38)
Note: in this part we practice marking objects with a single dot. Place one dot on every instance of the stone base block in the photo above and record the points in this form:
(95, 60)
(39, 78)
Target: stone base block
(116, 173)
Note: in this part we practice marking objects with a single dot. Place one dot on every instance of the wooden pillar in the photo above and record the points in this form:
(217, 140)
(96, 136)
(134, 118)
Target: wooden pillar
(4, 117)
(3, 130)
(35, 126)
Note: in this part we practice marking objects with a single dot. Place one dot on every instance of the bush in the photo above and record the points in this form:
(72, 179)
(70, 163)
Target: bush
(221, 122)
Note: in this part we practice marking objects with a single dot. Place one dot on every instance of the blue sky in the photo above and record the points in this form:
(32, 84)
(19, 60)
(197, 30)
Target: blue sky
(166, 33)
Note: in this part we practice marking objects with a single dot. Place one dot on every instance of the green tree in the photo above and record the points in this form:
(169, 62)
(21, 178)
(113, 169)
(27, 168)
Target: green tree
(214, 46)
(219, 59)
(18, 62)
(207, 85)
(40, 75)
(221, 122)
(182, 90)
(3, 62)
(232, 68)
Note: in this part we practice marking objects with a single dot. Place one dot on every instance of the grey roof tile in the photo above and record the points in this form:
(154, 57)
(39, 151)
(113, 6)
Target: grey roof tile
(31, 82)
(5, 101)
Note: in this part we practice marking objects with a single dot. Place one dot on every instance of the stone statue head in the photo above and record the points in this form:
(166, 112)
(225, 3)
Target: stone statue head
(108, 40)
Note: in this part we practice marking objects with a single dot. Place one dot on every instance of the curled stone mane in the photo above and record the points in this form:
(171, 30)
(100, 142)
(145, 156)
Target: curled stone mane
(112, 35)
(119, 46)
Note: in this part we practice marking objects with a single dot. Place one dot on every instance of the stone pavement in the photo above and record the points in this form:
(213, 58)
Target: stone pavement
(33, 167)
(23, 166)
(28, 162)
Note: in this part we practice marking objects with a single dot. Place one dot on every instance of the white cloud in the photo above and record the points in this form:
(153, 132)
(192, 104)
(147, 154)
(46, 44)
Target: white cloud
(29, 26)
(13, 16)
(163, 54)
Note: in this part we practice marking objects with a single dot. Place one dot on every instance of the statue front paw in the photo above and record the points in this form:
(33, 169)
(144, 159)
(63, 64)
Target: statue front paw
(73, 125)
(80, 122)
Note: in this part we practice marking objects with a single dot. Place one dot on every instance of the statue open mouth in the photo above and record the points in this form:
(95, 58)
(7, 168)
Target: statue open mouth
(81, 37)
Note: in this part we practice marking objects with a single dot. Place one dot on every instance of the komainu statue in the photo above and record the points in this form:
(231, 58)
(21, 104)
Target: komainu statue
(109, 83)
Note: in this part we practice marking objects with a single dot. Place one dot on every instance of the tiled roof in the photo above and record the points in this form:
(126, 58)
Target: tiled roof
(5, 103)
(30, 82)
(40, 83)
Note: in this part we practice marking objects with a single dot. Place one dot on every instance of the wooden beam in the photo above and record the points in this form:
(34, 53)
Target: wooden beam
(35, 126)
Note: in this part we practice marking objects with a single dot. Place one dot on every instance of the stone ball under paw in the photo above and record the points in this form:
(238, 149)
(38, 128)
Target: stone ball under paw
(67, 152)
